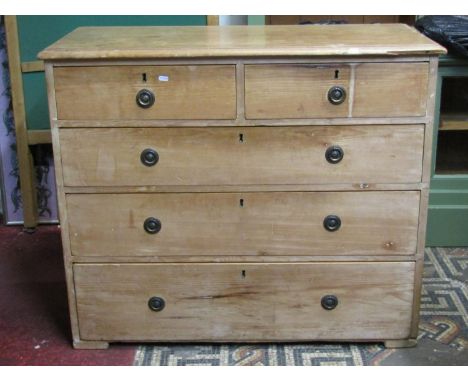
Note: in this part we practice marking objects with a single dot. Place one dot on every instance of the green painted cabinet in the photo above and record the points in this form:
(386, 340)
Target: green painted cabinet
(448, 200)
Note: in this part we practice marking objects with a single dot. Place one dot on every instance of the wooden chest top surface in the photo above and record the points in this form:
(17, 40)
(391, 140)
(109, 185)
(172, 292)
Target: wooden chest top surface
(241, 41)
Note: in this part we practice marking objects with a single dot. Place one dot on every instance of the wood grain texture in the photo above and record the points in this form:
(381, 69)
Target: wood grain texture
(242, 156)
(244, 224)
(32, 66)
(424, 202)
(62, 210)
(181, 92)
(300, 90)
(431, 100)
(39, 137)
(419, 267)
(241, 259)
(88, 345)
(390, 90)
(294, 91)
(405, 343)
(241, 122)
(364, 187)
(212, 20)
(240, 91)
(234, 60)
(244, 302)
(453, 121)
(238, 41)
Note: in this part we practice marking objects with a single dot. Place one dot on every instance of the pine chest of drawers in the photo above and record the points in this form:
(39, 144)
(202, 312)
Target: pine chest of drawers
(243, 183)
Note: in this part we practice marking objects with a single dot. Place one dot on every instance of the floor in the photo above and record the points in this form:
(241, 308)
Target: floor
(34, 328)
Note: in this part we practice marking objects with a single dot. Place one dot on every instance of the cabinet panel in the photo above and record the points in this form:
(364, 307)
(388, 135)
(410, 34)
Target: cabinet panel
(244, 302)
(244, 224)
(113, 92)
(242, 155)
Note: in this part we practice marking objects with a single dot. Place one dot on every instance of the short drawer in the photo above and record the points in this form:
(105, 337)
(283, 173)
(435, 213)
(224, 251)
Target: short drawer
(296, 91)
(244, 302)
(146, 92)
(354, 90)
(243, 224)
(242, 155)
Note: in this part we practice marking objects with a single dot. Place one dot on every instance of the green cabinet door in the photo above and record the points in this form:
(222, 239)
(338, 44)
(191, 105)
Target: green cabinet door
(448, 198)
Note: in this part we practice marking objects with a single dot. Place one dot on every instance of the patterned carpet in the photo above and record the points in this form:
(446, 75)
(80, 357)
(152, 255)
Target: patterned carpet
(443, 333)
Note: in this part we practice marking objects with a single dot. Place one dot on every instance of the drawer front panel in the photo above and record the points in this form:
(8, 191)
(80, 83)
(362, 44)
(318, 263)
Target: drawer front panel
(242, 156)
(294, 91)
(244, 224)
(239, 302)
(390, 90)
(301, 91)
(180, 92)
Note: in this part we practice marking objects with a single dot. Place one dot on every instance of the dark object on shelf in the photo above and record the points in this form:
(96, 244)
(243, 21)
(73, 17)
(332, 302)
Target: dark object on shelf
(449, 31)
(336, 19)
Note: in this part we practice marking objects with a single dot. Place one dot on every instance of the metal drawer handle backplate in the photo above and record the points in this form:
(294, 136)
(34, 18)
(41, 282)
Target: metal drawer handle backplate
(334, 154)
(152, 225)
(145, 98)
(149, 157)
(329, 302)
(332, 223)
(336, 95)
(156, 304)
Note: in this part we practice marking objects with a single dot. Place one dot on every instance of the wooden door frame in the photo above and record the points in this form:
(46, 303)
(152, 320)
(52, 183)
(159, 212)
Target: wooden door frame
(27, 174)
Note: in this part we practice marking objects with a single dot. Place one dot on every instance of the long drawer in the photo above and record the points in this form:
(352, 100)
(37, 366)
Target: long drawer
(244, 224)
(146, 92)
(242, 155)
(239, 302)
(327, 91)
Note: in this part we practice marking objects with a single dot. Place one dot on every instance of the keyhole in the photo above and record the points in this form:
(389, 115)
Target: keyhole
(243, 273)
(241, 137)
(241, 202)
(337, 73)
(143, 77)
